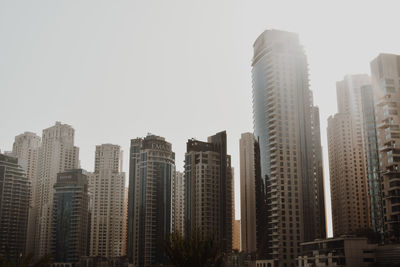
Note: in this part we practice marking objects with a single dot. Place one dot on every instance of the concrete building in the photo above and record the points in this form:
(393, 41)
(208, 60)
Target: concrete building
(342, 251)
(347, 159)
(252, 196)
(14, 207)
(179, 203)
(70, 218)
(125, 224)
(151, 172)
(56, 155)
(385, 77)
(26, 149)
(107, 190)
(372, 156)
(208, 194)
(286, 124)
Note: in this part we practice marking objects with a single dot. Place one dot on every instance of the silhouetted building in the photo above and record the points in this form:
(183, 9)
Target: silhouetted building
(286, 124)
(70, 217)
(208, 193)
(14, 207)
(151, 171)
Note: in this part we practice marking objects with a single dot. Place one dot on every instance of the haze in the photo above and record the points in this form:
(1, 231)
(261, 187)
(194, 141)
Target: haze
(180, 69)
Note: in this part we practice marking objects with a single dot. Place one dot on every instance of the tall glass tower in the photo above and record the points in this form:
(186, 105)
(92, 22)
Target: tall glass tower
(151, 171)
(286, 123)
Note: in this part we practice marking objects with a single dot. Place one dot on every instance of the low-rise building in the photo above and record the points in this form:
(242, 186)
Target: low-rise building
(342, 251)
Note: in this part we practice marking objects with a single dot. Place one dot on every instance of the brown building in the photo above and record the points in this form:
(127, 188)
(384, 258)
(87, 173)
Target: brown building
(347, 164)
(385, 71)
(208, 194)
(236, 235)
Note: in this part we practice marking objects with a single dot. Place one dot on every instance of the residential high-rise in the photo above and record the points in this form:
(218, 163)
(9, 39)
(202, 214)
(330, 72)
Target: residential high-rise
(107, 190)
(236, 235)
(252, 199)
(14, 207)
(208, 193)
(151, 172)
(56, 155)
(26, 149)
(125, 224)
(179, 202)
(347, 159)
(286, 124)
(70, 217)
(385, 72)
(372, 156)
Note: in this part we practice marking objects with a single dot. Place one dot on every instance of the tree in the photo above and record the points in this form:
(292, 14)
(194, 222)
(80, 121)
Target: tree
(27, 261)
(193, 251)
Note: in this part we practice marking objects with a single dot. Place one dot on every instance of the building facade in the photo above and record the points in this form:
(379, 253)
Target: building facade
(70, 217)
(344, 251)
(14, 208)
(385, 78)
(286, 124)
(151, 172)
(372, 157)
(248, 193)
(179, 203)
(208, 193)
(26, 149)
(57, 154)
(107, 190)
(347, 159)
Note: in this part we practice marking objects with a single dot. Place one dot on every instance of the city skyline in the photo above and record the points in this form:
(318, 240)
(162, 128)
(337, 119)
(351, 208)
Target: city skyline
(33, 67)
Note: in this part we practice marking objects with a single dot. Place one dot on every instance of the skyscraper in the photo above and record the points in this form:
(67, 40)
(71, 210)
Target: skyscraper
(179, 202)
(347, 164)
(70, 217)
(372, 156)
(107, 190)
(14, 207)
(26, 149)
(56, 155)
(286, 124)
(385, 72)
(151, 172)
(252, 199)
(248, 193)
(208, 193)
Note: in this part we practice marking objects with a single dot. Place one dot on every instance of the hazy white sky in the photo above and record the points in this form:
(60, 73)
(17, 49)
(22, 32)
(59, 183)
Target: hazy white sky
(116, 70)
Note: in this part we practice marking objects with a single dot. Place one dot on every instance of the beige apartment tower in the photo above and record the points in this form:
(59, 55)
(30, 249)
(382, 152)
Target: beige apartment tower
(57, 154)
(179, 202)
(347, 159)
(107, 190)
(385, 71)
(26, 149)
(248, 193)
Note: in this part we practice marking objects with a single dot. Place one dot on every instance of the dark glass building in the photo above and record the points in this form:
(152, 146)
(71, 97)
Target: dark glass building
(14, 208)
(151, 170)
(70, 217)
(286, 124)
(372, 155)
